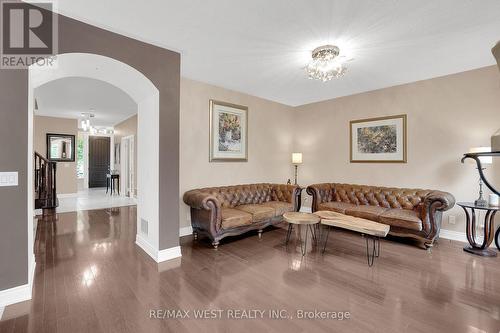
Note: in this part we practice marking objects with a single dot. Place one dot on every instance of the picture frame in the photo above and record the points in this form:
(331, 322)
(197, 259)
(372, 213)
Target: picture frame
(378, 140)
(228, 137)
(61, 147)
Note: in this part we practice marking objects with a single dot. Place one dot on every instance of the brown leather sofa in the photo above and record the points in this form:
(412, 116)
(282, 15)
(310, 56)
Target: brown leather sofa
(219, 212)
(409, 212)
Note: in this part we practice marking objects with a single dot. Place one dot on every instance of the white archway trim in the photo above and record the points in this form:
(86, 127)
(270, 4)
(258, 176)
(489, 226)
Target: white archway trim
(147, 97)
(98, 67)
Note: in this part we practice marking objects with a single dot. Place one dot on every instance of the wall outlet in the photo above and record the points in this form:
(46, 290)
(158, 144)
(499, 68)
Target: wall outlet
(451, 219)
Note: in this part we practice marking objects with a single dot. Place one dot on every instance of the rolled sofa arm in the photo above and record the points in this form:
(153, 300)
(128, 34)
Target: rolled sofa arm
(200, 200)
(441, 200)
(205, 211)
(435, 203)
(287, 193)
(320, 193)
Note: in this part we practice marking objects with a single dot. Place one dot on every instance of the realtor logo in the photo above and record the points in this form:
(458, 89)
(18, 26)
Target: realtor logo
(29, 34)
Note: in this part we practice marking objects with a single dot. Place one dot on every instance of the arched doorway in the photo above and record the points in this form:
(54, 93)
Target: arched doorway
(146, 95)
(160, 66)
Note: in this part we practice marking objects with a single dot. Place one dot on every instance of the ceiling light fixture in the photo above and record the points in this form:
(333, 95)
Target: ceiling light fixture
(326, 64)
(86, 126)
(85, 122)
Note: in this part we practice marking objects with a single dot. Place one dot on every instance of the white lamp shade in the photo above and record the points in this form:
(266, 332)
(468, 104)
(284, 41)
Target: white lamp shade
(483, 159)
(297, 158)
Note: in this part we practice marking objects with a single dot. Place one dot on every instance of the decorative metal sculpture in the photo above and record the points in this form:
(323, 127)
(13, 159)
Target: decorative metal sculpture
(475, 157)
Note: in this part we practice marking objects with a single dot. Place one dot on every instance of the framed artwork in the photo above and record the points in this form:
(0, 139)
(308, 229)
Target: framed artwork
(60, 147)
(378, 140)
(228, 132)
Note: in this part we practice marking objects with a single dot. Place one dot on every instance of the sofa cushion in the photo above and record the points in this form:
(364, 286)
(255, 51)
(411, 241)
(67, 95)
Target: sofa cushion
(366, 212)
(336, 206)
(259, 212)
(233, 218)
(404, 218)
(279, 207)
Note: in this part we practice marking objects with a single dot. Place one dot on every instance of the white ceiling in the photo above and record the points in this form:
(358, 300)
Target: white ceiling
(260, 47)
(69, 97)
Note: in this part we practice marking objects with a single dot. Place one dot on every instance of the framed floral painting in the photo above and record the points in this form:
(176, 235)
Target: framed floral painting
(378, 140)
(228, 132)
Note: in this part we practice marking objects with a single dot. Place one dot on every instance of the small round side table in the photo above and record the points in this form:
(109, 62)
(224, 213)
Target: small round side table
(298, 218)
(489, 228)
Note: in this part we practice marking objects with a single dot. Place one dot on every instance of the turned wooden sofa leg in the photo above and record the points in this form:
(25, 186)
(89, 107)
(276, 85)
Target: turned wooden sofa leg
(260, 233)
(215, 245)
(428, 245)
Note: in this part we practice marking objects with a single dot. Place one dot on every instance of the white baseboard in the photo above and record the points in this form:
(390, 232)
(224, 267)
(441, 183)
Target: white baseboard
(67, 195)
(20, 293)
(461, 236)
(305, 209)
(185, 231)
(169, 254)
(158, 256)
(144, 244)
(453, 235)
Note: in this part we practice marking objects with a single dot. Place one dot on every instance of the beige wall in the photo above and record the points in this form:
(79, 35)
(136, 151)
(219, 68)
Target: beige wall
(446, 116)
(123, 129)
(269, 141)
(66, 171)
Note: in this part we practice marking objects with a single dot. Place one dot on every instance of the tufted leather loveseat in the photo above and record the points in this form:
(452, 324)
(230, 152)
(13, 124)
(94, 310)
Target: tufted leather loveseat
(219, 212)
(409, 212)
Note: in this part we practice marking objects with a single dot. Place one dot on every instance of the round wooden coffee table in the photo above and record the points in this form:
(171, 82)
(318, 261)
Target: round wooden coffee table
(299, 219)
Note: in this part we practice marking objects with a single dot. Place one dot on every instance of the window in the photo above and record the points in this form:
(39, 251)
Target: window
(80, 162)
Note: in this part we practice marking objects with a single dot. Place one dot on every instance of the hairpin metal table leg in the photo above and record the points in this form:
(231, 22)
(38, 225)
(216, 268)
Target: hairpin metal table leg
(313, 233)
(326, 239)
(303, 247)
(288, 234)
(372, 251)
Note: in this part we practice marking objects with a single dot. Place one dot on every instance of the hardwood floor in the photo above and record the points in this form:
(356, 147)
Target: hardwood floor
(91, 277)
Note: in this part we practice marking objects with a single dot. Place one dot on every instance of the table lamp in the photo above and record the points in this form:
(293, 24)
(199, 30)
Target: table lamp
(484, 160)
(296, 160)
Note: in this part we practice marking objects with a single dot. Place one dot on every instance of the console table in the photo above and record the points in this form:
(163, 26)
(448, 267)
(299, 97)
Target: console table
(110, 183)
(489, 228)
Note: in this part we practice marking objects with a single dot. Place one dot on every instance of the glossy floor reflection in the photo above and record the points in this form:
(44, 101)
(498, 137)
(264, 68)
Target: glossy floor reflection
(93, 198)
(91, 277)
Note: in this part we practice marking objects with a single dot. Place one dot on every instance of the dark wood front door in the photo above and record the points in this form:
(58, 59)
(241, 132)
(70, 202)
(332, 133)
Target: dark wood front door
(99, 147)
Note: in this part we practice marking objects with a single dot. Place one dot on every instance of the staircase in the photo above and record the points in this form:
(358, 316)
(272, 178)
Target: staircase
(45, 185)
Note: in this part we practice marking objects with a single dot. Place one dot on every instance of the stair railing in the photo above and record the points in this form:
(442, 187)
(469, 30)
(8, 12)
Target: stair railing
(45, 181)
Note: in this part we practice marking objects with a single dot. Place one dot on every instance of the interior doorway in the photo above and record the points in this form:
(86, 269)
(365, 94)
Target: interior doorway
(127, 166)
(99, 160)
(146, 98)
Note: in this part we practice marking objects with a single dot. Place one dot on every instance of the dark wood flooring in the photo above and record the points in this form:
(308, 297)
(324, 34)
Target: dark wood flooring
(91, 277)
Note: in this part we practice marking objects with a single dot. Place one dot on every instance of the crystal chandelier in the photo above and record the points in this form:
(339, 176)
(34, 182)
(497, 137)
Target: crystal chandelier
(326, 64)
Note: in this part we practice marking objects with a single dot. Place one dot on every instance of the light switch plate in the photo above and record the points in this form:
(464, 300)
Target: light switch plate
(8, 179)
